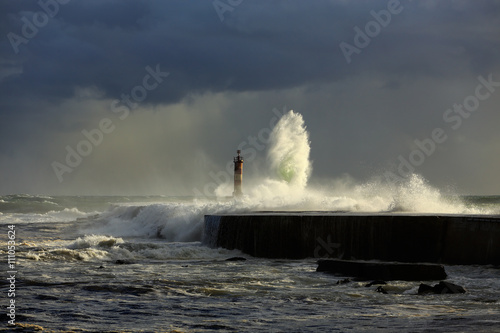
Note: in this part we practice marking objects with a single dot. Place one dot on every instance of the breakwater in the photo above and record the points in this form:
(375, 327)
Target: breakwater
(449, 239)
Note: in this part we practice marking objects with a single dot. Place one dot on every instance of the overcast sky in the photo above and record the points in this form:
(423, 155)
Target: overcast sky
(166, 91)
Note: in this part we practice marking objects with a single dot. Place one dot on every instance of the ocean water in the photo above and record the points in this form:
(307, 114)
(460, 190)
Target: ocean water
(138, 264)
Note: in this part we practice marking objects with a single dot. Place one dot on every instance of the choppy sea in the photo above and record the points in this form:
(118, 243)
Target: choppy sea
(138, 264)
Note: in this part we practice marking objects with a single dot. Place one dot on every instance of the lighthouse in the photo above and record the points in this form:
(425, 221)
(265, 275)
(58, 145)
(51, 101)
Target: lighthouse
(238, 174)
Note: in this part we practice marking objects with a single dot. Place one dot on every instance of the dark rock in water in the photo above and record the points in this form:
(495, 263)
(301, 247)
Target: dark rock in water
(376, 282)
(387, 271)
(442, 287)
(450, 288)
(100, 267)
(381, 289)
(122, 262)
(425, 289)
(344, 281)
(236, 259)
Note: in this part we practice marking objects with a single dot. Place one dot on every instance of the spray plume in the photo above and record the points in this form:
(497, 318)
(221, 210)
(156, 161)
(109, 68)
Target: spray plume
(286, 189)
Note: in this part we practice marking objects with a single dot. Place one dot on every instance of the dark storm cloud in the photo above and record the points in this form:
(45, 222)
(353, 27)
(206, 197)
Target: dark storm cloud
(105, 44)
(394, 89)
(260, 45)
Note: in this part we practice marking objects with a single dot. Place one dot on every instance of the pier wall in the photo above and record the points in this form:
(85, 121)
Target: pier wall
(450, 239)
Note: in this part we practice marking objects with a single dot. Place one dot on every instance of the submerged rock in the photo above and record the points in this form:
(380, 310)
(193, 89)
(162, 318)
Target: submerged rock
(122, 262)
(381, 289)
(344, 281)
(236, 259)
(442, 287)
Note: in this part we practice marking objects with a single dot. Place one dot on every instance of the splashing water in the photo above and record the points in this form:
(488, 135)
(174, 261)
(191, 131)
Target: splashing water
(289, 150)
(290, 167)
(285, 189)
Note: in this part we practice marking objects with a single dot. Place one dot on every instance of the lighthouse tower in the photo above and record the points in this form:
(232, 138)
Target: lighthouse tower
(238, 174)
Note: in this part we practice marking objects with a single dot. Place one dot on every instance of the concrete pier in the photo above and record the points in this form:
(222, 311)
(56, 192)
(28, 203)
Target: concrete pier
(448, 239)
